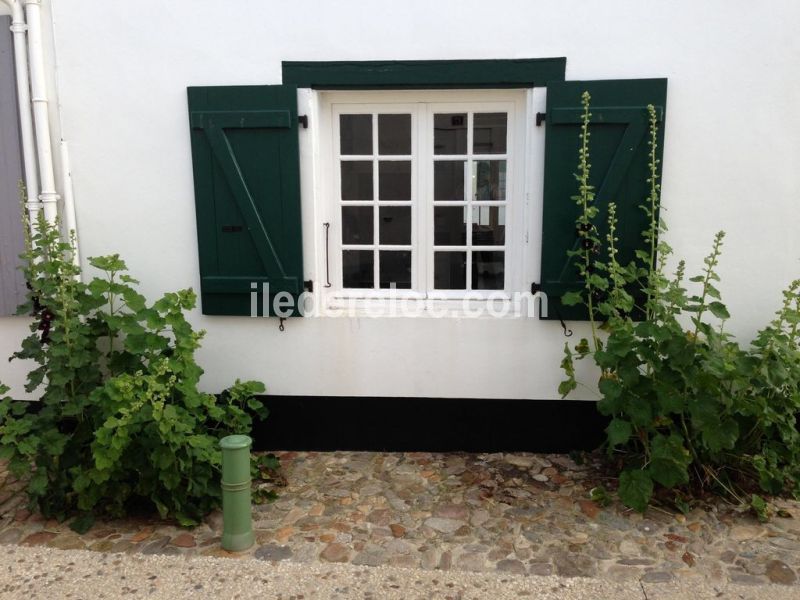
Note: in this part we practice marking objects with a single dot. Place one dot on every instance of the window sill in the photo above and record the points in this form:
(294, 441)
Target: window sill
(382, 308)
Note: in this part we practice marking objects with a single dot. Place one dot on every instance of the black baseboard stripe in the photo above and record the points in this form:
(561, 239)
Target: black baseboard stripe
(428, 424)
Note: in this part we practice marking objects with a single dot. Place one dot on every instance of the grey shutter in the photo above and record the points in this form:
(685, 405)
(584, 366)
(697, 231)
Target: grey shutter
(12, 284)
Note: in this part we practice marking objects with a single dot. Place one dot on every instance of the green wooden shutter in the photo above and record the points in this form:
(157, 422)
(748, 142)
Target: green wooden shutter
(247, 192)
(619, 159)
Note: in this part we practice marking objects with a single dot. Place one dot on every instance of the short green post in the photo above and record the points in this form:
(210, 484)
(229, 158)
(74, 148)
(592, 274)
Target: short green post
(237, 521)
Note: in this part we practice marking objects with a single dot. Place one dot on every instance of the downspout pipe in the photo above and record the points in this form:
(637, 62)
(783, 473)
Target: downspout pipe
(19, 29)
(47, 192)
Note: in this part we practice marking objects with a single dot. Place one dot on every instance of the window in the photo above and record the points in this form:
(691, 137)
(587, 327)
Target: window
(444, 193)
(420, 193)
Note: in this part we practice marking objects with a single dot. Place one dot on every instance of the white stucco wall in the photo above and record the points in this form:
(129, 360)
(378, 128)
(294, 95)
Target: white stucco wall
(731, 156)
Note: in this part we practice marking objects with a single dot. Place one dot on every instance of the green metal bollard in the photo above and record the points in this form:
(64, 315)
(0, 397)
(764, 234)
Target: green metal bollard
(237, 520)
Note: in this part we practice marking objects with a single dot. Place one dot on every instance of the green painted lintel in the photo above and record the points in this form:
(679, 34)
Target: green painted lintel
(425, 74)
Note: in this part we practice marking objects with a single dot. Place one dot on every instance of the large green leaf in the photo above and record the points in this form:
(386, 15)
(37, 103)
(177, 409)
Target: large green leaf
(723, 436)
(619, 432)
(635, 489)
(669, 460)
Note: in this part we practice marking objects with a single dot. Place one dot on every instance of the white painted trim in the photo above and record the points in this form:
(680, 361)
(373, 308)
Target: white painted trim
(534, 187)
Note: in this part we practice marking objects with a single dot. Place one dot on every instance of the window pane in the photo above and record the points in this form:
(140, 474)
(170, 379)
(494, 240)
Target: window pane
(357, 268)
(489, 180)
(489, 133)
(488, 270)
(450, 270)
(394, 180)
(355, 133)
(357, 225)
(356, 180)
(394, 134)
(450, 225)
(395, 268)
(488, 225)
(448, 179)
(450, 134)
(395, 225)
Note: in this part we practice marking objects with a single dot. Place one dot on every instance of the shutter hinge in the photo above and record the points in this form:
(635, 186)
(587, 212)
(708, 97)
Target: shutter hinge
(309, 285)
(540, 117)
(536, 287)
(303, 120)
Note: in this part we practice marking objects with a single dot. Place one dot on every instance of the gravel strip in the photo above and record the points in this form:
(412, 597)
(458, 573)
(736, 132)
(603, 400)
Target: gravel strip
(45, 573)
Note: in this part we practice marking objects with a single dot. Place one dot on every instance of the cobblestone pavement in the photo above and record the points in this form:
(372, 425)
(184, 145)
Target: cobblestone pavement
(521, 514)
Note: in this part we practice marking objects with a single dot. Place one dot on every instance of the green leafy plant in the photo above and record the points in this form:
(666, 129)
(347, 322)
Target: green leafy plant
(120, 421)
(689, 407)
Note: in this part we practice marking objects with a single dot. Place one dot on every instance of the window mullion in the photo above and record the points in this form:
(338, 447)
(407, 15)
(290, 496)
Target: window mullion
(468, 197)
(424, 202)
(375, 218)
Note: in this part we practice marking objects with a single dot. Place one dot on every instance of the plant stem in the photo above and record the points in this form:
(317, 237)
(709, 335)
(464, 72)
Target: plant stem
(654, 271)
(586, 196)
(711, 261)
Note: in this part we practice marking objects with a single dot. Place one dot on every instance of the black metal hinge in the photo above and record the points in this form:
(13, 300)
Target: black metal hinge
(540, 117)
(303, 120)
(536, 287)
(309, 285)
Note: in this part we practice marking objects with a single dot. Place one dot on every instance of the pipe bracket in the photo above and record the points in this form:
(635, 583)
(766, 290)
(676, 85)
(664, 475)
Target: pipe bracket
(49, 197)
(235, 487)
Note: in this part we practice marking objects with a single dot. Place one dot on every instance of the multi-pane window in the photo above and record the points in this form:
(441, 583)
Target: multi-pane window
(469, 200)
(376, 163)
(423, 196)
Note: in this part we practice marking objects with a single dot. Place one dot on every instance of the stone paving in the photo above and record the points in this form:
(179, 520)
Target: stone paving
(523, 514)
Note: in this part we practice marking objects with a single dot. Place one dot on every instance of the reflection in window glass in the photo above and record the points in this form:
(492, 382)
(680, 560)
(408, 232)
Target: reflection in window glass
(395, 269)
(488, 270)
(394, 180)
(356, 179)
(449, 225)
(489, 180)
(450, 270)
(450, 134)
(358, 268)
(355, 133)
(488, 225)
(357, 225)
(394, 134)
(448, 179)
(489, 133)
(395, 225)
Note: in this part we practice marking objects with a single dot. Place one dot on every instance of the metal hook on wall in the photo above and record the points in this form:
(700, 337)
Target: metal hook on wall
(567, 332)
(327, 261)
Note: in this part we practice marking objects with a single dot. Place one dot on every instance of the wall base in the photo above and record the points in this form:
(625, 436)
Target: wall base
(428, 424)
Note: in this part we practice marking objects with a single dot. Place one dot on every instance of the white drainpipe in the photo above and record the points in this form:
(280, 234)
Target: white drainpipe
(70, 221)
(47, 194)
(18, 28)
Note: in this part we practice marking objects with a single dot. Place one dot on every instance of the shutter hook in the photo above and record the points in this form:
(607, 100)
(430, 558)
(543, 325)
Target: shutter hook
(567, 332)
(280, 326)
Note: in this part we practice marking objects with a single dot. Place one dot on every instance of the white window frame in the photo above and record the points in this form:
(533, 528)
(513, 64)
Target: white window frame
(523, 182)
